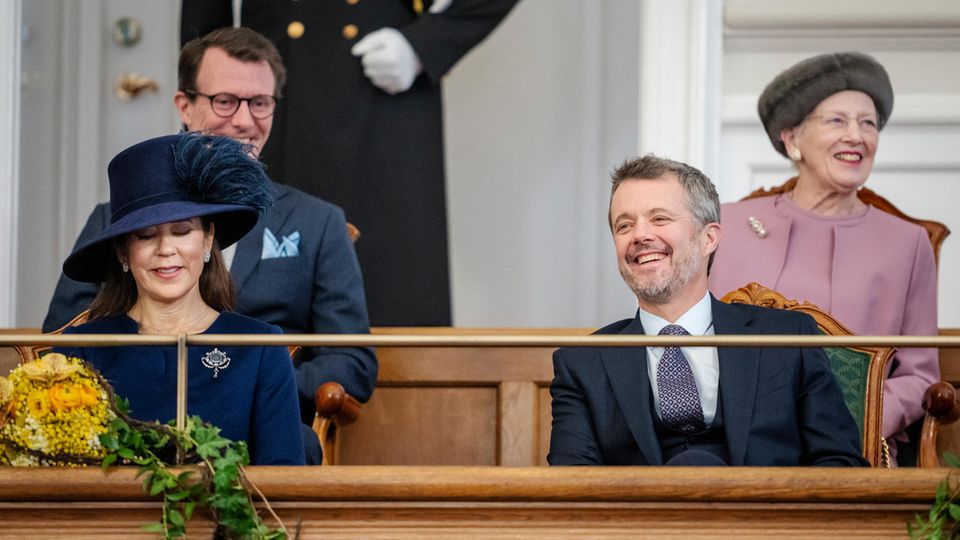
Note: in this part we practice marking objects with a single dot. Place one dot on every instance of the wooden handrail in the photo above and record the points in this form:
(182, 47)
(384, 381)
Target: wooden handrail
(445, 340)
(567, 484)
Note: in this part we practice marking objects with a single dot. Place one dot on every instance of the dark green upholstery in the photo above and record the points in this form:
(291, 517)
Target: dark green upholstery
(851, 369)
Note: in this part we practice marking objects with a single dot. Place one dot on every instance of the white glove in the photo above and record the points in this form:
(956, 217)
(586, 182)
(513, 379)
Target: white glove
(388, 60)
(439, 6)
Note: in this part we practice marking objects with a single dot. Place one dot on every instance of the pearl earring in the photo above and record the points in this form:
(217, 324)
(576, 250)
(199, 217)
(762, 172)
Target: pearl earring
(206, 256)
(125, 267)
(794, 154)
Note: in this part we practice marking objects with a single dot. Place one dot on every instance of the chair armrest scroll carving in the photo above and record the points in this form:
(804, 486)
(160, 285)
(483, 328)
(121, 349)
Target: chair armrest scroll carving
(942, 408)
(334, 407)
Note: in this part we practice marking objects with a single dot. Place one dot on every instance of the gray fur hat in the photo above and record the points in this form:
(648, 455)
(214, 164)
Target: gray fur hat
(790, 97)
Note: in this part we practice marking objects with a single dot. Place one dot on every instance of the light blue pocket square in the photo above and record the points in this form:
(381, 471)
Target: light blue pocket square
(289, 246)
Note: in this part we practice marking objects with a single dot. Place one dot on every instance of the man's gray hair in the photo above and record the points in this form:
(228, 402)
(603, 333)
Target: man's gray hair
(702, 199)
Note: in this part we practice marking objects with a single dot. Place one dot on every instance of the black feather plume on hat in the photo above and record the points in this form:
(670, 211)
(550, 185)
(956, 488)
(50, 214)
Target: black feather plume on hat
(220, 170)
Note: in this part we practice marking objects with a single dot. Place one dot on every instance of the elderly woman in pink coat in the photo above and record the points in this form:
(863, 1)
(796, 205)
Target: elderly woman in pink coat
(818, 242)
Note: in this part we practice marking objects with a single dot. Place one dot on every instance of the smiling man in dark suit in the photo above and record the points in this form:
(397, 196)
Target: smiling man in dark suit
(691, 406)
(297, 268)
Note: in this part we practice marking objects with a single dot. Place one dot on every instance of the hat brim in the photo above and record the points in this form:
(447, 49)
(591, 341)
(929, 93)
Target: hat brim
(90, 261)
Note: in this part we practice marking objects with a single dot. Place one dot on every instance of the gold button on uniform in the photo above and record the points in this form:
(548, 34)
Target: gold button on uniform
(295, 30)
(353, 2)
(350, 31)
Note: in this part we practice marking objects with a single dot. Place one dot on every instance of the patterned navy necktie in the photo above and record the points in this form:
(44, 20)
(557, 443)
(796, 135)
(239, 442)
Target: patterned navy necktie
(680, 406)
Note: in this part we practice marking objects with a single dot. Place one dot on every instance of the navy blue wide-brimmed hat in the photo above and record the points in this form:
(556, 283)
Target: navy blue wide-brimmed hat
(173, 178)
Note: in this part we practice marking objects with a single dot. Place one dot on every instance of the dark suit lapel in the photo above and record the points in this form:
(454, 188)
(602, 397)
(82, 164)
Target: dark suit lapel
(247, 256)
(627, 371)
(250, 247)
(739, 369)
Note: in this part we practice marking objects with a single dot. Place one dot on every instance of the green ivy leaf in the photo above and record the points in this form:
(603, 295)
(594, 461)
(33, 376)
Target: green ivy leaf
(155, 527)
(177, 496)
(942, 488)
(156, 489)
(176, 518)
(954, 510)
(188, 509)
(108, 441)
(221, 488)
(108, 460)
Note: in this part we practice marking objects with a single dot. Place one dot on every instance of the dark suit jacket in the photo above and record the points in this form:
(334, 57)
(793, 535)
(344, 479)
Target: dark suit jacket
(780, 406)
(319, 291)
(377, 156)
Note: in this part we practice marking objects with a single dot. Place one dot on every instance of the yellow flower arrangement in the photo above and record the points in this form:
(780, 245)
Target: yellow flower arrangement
(59, 411)
(52, 412)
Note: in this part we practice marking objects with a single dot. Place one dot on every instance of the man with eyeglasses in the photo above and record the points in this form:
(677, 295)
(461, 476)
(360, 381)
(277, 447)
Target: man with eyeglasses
(297, 268)
(226, 104)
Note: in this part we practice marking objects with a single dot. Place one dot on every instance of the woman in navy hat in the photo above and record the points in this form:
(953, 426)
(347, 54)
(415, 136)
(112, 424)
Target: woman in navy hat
(818, 241)
(176, 201)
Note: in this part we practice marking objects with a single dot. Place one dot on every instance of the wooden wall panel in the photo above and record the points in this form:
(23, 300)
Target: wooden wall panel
(949, 440)
(546, 420)
(9, 358)
(500, 502)
(456, 405)
(518, 417)
(424, 426)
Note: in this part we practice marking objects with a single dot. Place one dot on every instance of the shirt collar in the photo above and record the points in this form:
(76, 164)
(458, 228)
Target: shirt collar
(697, 320)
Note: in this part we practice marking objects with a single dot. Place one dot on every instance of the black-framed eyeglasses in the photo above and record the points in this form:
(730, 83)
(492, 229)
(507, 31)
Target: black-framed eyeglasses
(226, 104)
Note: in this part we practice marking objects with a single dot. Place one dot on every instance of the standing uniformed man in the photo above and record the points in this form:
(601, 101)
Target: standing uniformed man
(361, 126)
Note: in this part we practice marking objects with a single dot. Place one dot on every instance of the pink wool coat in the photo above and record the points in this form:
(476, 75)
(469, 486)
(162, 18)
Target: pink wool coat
(883, 281)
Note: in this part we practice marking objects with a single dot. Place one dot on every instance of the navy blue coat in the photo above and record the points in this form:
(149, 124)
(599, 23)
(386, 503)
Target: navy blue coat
(318, 291)
(780, 406)
(252, 399)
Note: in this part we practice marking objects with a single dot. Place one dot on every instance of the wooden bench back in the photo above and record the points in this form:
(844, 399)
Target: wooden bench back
(456, 405)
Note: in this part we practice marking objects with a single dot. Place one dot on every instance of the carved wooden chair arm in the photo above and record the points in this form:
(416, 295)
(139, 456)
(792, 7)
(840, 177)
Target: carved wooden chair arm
(334, 407)
(940, 400)
(942, 408)
(334, 402)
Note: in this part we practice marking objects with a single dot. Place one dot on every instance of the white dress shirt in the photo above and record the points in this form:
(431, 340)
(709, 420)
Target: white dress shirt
(228, 253)
(704, 362)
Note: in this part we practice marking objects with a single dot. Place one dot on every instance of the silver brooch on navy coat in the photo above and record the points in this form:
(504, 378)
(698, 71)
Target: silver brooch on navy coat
(216, 360)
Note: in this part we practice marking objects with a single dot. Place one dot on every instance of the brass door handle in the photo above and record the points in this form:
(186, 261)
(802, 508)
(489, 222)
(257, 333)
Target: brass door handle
(128, 85)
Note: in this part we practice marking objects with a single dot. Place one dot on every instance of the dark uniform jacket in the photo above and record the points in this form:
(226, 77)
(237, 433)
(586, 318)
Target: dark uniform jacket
(377, 156)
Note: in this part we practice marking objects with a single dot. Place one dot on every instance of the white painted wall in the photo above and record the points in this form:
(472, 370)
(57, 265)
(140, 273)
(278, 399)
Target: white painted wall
(72, 123)
(536, 118)
(9, 145)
